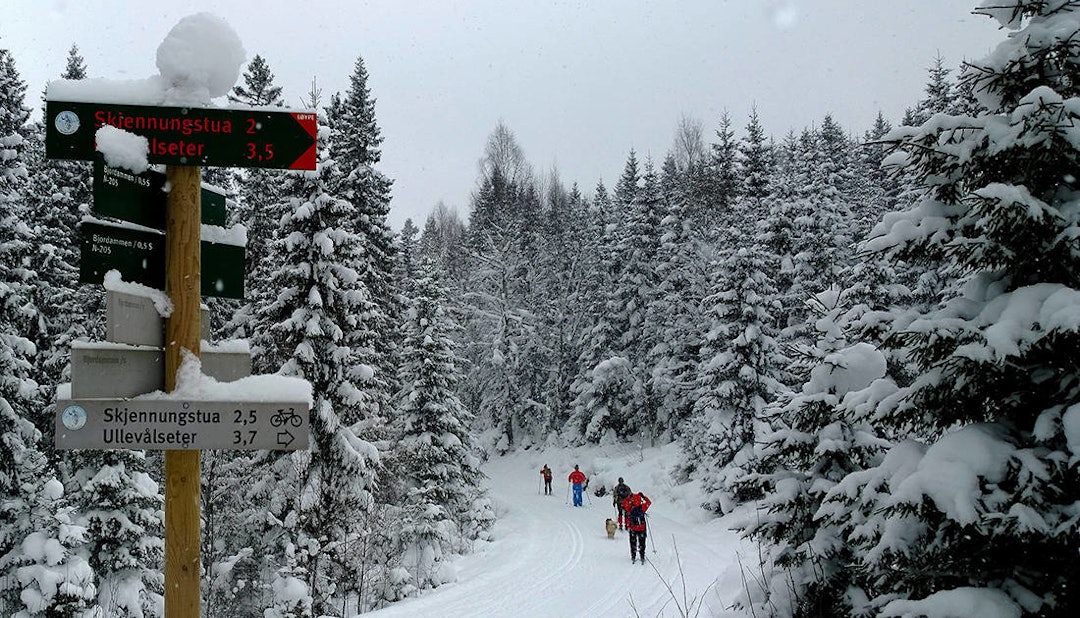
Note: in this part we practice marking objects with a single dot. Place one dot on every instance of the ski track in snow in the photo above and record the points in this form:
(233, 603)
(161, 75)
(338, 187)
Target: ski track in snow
(549, 559)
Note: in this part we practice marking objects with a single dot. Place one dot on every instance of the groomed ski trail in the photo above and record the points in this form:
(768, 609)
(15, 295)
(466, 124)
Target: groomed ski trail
(549, 559)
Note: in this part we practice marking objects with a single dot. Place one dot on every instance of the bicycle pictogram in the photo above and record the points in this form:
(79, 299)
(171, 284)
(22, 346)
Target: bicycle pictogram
(283, 417)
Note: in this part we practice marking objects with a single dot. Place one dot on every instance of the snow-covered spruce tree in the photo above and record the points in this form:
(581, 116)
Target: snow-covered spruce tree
(739, 362)
(568, 254)
(45, 573)
(596, 332)
(635, 291)
(355, 147)
(606, 327)
(722, 178)
(626, 188)
(821, 214)
(60, 194)
(41, 570)
(407, 258)
(17, 237)
(113, 500)
(601, 399)
(444, 509)
(311, 328)
(925, 280)
(980, 508)
(258, 89)
(599, 331)
(121, 509)
(624, 332)
(816, 437)
(18, 443)
(786, 204)
(257, 209)
(680, 271)
(18, 436)
(943, 95)
(755, 158)
(937, 98)
(738, 375)
(827, 238)
(879, 190)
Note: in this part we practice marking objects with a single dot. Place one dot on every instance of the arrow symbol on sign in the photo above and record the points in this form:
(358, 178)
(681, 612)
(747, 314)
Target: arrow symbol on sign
(285, 438)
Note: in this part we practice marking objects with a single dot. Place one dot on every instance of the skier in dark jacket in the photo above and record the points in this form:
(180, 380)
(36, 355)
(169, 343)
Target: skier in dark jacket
(546, 473)
(635, 507)
(621, 492)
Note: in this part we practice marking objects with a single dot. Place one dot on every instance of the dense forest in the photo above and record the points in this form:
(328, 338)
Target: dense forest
(868, 335)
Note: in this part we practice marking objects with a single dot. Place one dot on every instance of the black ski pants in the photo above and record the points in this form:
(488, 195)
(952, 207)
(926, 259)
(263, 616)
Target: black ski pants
(622, 514)
(637, 541)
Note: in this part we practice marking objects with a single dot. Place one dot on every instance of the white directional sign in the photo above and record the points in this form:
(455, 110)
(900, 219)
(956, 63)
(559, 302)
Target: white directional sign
(169, 424)
(110, 371)
(134, 320)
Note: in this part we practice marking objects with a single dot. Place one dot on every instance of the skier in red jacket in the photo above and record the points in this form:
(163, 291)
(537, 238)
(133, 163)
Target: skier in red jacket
(635, 507)
(577, 478)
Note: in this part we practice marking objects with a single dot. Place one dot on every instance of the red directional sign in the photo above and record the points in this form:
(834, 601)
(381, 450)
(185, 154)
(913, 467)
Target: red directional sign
(214, 137)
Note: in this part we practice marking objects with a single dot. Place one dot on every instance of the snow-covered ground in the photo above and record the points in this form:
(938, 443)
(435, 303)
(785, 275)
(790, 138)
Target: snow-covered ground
(549, 559)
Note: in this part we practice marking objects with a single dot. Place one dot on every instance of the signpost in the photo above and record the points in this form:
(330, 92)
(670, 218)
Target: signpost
(183, 138)
(210, 136)
(169, 424)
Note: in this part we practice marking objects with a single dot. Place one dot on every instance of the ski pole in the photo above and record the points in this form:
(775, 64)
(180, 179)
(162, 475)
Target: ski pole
(567, 501)
(648, 526)
(587, 497)
(540, 486)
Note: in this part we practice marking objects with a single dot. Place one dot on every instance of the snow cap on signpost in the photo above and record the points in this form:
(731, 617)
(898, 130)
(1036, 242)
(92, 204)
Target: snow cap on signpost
(200, 59)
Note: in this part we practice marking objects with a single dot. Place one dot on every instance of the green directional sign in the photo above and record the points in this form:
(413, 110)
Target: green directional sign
(211, 136)
(139, 256)
(140, 198)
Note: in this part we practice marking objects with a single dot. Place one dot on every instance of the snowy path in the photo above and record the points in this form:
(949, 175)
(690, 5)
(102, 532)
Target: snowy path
(550, 559)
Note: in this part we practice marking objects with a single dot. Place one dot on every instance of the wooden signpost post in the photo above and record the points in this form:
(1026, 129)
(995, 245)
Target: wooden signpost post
(183, 284)
(185, 139)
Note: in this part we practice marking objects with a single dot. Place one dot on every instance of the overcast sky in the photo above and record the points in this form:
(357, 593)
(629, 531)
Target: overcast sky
(579, 83)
